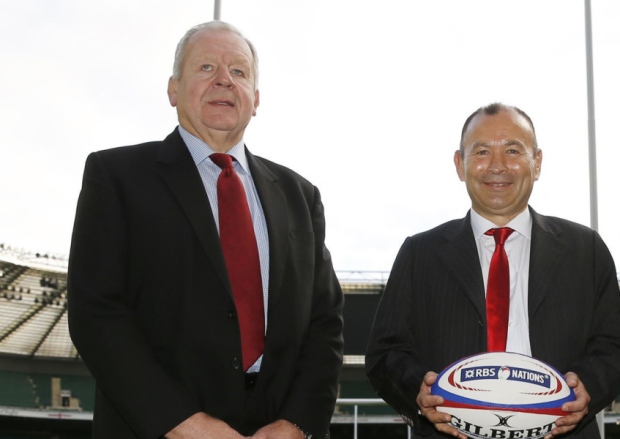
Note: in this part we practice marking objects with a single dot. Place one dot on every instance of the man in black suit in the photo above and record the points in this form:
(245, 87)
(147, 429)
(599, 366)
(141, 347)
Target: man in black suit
(151, 307)
(564, 298)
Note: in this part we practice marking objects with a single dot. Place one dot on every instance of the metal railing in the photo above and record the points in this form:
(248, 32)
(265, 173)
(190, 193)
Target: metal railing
(356, 402)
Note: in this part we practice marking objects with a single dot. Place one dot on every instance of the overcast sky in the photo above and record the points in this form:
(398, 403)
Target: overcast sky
(366, 99)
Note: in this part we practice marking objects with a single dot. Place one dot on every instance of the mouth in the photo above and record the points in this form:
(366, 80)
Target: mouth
(497, 185)
(221, 103)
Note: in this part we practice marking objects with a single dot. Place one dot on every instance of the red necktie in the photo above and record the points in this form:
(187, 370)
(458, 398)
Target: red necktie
(241, 256)
(498, 292)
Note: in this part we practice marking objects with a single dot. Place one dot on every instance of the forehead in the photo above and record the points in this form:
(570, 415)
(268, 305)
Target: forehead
(507, 125)
(218, 42)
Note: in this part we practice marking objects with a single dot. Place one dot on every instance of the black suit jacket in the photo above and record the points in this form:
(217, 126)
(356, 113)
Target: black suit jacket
(433, 313)
(151, 309)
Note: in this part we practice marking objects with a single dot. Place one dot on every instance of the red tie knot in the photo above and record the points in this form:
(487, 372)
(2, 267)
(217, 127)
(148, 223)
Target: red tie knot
(222, 160)
(500, 234)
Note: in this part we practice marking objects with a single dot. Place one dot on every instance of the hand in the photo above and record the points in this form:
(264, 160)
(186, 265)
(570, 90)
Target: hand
(577, 409)
(427, 403)
(203, 426)
(279, 429)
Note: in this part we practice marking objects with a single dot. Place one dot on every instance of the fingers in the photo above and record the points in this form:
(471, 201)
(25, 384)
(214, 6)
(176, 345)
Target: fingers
(427, 404)
(576, 410)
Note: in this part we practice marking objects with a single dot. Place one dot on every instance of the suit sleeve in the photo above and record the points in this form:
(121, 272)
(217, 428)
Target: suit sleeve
(599, 366)
(393, 365)
(311, 399)
(102, 325)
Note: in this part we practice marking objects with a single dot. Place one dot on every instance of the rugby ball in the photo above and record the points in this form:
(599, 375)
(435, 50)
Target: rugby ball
(502, 394)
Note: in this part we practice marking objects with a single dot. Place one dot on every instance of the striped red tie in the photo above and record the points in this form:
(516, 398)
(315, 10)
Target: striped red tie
(241, 255)
(498, 292)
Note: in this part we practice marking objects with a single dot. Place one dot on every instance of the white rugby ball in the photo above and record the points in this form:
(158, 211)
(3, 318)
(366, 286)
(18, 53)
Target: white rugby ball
(502, 395)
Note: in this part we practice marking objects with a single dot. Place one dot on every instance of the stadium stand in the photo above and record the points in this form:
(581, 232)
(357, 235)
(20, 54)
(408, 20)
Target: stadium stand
(17, 390)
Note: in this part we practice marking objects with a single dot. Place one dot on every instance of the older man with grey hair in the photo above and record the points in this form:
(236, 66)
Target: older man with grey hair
(202, 297)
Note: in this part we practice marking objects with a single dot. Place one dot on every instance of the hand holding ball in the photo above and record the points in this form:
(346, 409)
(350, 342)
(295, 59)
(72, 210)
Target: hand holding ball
(502, 395)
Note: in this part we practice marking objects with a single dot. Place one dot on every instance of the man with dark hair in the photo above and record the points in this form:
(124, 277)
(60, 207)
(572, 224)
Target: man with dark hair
(562, 303)
(202, 297)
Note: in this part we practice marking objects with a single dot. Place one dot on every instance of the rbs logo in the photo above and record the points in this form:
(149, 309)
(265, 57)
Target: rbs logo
(505, 373)
(476, 373)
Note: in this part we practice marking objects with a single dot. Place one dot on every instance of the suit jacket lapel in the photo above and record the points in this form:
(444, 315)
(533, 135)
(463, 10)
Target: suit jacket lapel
(460, 257)
(546, 253)
(273, 202)
(181, 175)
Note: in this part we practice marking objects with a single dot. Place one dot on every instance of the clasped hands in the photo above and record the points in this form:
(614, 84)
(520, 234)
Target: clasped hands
(203, 426)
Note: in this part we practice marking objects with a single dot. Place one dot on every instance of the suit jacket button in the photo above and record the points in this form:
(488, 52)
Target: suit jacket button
(236, 363)
(232, 315)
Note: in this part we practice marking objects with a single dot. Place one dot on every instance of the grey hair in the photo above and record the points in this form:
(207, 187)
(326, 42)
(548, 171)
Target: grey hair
(179, 54)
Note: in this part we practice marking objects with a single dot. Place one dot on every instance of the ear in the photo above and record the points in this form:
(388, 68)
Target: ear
(256, 102)
(459, 163)
(537, 164)
(172, 91)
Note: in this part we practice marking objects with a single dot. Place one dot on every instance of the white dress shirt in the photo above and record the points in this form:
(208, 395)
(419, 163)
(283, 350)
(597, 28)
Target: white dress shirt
(517, 248)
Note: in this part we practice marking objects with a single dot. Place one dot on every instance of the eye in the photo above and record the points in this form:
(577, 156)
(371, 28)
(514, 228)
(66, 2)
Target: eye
(237, 72)
(206, 67)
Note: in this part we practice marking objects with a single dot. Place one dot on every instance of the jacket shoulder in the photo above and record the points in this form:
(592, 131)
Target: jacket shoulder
(562, 228)
(159, 149)
(441, 232)
(282, 172)
(128, 151)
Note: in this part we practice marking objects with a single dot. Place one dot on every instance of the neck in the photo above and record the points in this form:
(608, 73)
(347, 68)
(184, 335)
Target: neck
(499, 220)
(218, 141)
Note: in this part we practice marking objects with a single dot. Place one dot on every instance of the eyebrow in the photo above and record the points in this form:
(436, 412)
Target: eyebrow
(510, 142)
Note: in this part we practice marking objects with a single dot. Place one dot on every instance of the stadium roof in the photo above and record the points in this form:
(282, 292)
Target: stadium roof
(33, 305)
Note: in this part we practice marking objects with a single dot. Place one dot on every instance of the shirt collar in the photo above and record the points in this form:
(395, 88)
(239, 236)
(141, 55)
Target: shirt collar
(522, 224)
(200, 151)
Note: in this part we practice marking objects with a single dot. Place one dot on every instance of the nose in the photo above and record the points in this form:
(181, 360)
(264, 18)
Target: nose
(224, 79)
(497, 163)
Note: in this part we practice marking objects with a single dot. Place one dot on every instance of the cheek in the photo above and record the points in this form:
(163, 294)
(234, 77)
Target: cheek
(192, 92)
(527, 171)
(475, 168)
